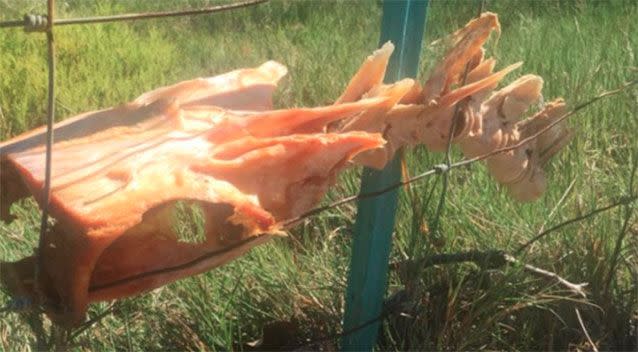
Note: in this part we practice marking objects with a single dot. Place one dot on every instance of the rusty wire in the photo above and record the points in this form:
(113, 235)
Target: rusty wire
(30, 19)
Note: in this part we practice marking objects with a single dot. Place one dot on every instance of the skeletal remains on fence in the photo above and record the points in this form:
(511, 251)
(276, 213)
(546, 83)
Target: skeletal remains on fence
(217, 142)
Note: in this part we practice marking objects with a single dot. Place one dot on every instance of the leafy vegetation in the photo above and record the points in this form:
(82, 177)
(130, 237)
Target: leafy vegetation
(580, 48)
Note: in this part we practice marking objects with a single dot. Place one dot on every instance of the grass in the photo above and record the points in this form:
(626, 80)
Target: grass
(580, 49)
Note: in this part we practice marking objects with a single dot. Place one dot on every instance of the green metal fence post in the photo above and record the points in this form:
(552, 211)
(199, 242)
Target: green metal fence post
(403, 23)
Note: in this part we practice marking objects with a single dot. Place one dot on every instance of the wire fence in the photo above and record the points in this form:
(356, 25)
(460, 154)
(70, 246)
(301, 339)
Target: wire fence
(40, 22)
(46, 24)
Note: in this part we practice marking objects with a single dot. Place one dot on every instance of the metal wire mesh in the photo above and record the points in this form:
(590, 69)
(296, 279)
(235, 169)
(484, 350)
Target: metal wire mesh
(40, 23)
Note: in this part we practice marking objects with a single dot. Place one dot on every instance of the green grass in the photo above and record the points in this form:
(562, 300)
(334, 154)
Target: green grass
(580, 49)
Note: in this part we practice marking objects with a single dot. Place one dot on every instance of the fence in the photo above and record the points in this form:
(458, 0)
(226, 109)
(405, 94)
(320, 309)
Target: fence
(403, 23)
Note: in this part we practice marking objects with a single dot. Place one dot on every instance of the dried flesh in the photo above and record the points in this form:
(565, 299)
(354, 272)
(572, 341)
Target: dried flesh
(119, 174)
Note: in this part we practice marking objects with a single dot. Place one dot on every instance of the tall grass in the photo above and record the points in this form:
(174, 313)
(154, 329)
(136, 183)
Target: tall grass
(580, 48)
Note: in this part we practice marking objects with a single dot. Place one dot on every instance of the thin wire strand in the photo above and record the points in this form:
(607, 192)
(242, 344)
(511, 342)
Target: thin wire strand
(448, 156)
(184, 266)
(46, 192)
(12, 23)
(85, 326)
(138, 16)
(622, 201)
